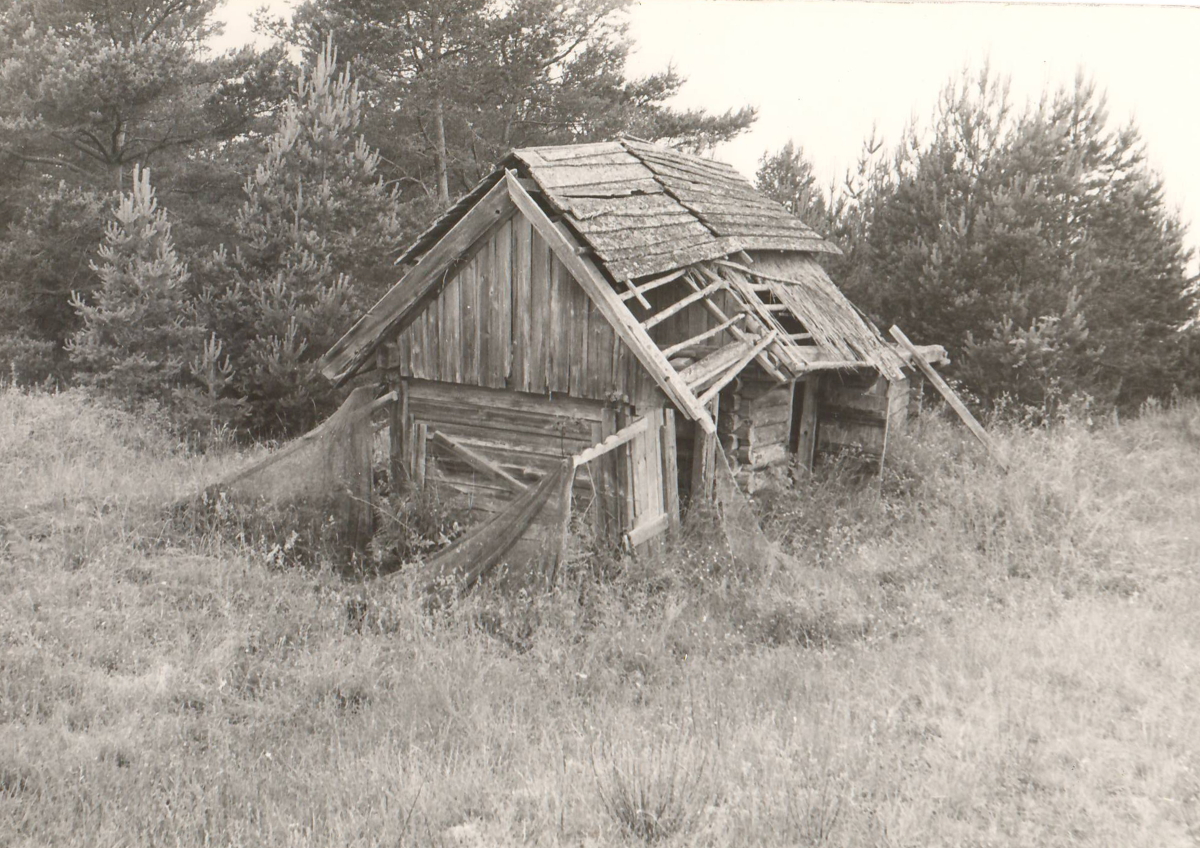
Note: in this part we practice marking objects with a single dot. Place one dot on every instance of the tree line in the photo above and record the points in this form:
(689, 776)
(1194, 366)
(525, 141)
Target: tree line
(190, 231)
(1034, 243)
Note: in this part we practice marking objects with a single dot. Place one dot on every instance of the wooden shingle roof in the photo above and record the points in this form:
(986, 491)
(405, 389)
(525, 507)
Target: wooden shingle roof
(627, 217)
(644, 209)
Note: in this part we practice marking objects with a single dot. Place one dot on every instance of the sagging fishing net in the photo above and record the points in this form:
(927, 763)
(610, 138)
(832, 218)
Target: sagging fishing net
(752, 550)
(317, 488)
(519, 547)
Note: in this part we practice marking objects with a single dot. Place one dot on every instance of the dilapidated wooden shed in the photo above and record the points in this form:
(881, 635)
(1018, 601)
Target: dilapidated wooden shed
(626, 296)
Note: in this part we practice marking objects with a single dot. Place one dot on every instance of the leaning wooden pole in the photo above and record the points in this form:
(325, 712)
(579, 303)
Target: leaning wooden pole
(949, 394)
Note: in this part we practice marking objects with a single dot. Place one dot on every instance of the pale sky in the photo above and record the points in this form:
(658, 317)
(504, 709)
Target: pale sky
(823, 73)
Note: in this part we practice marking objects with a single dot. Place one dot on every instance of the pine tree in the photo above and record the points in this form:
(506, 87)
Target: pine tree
(787, 177)
(1035, 246)
(459, 83)
(138, 331)
(318, 229)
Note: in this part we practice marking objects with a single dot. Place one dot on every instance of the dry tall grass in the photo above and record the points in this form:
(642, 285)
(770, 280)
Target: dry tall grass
(958, 657)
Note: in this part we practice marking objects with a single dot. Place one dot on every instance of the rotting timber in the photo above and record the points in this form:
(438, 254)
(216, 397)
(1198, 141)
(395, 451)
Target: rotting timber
(628, 310)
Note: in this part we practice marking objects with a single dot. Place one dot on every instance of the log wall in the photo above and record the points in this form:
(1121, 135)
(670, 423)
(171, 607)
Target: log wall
(755, 420)
(852, 413)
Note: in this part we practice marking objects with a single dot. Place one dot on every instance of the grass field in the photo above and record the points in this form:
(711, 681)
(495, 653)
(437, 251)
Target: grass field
(959, 657)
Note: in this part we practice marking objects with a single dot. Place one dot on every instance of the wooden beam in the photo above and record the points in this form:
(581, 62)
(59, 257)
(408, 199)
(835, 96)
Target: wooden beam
(771, 277)
(390, 314)
(611, 306)
(476, 461)
(699, 373)
(679, 306)
(633, 292)
(645, 532)
(719, 314)
(625, 434)
(651, 285)
(381, 401)
(948, 393)
(737, 367)
(704, 458)
(806, 445)
(707, 334)
(933, 354)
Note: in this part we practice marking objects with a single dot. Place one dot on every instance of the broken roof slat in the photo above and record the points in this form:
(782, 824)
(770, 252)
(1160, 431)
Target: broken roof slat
(558, 153)
(616, 188)
(657, 203)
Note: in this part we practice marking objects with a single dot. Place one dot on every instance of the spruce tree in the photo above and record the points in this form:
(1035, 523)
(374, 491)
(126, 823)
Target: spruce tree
(138, 332)
(317, 230)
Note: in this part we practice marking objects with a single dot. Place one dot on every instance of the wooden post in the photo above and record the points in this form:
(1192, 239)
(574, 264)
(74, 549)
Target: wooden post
(397, 438)
(806, 444)
(704, 458)
(419, 455)
(564, 529)
(949, 394)
(625, 479)
(670, 471)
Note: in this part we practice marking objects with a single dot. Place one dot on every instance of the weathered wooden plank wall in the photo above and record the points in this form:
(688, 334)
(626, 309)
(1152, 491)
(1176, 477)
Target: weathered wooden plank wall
(511, 316)
(852, 413)
(525, 435)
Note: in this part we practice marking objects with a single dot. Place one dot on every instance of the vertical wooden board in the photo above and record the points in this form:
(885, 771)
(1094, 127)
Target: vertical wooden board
(670, 470)
(487, 339)
(420, 348)
(447, 301)
(432, 348)
(498, 314)
(397, 421)
(600, 347)
(561, 319)
(595, 472)
(607, 476)
(438, 310)
(404, 352)
(625, 479)
(502, 305)
(422, 437)
(642, 479)
(522, 325)
(469, 333)
(616, 374)
(413, 341)
(539, 313)
(651, 461)
(632, 380)
(807, 428)
(897, 395)
(578, 312)
(555, 312)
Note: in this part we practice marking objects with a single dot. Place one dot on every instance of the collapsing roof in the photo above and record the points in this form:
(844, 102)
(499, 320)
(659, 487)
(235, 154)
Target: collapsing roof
(628, 217)
(645, 209)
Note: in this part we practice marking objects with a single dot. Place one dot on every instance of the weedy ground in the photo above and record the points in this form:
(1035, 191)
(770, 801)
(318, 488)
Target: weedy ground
(954, 656)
